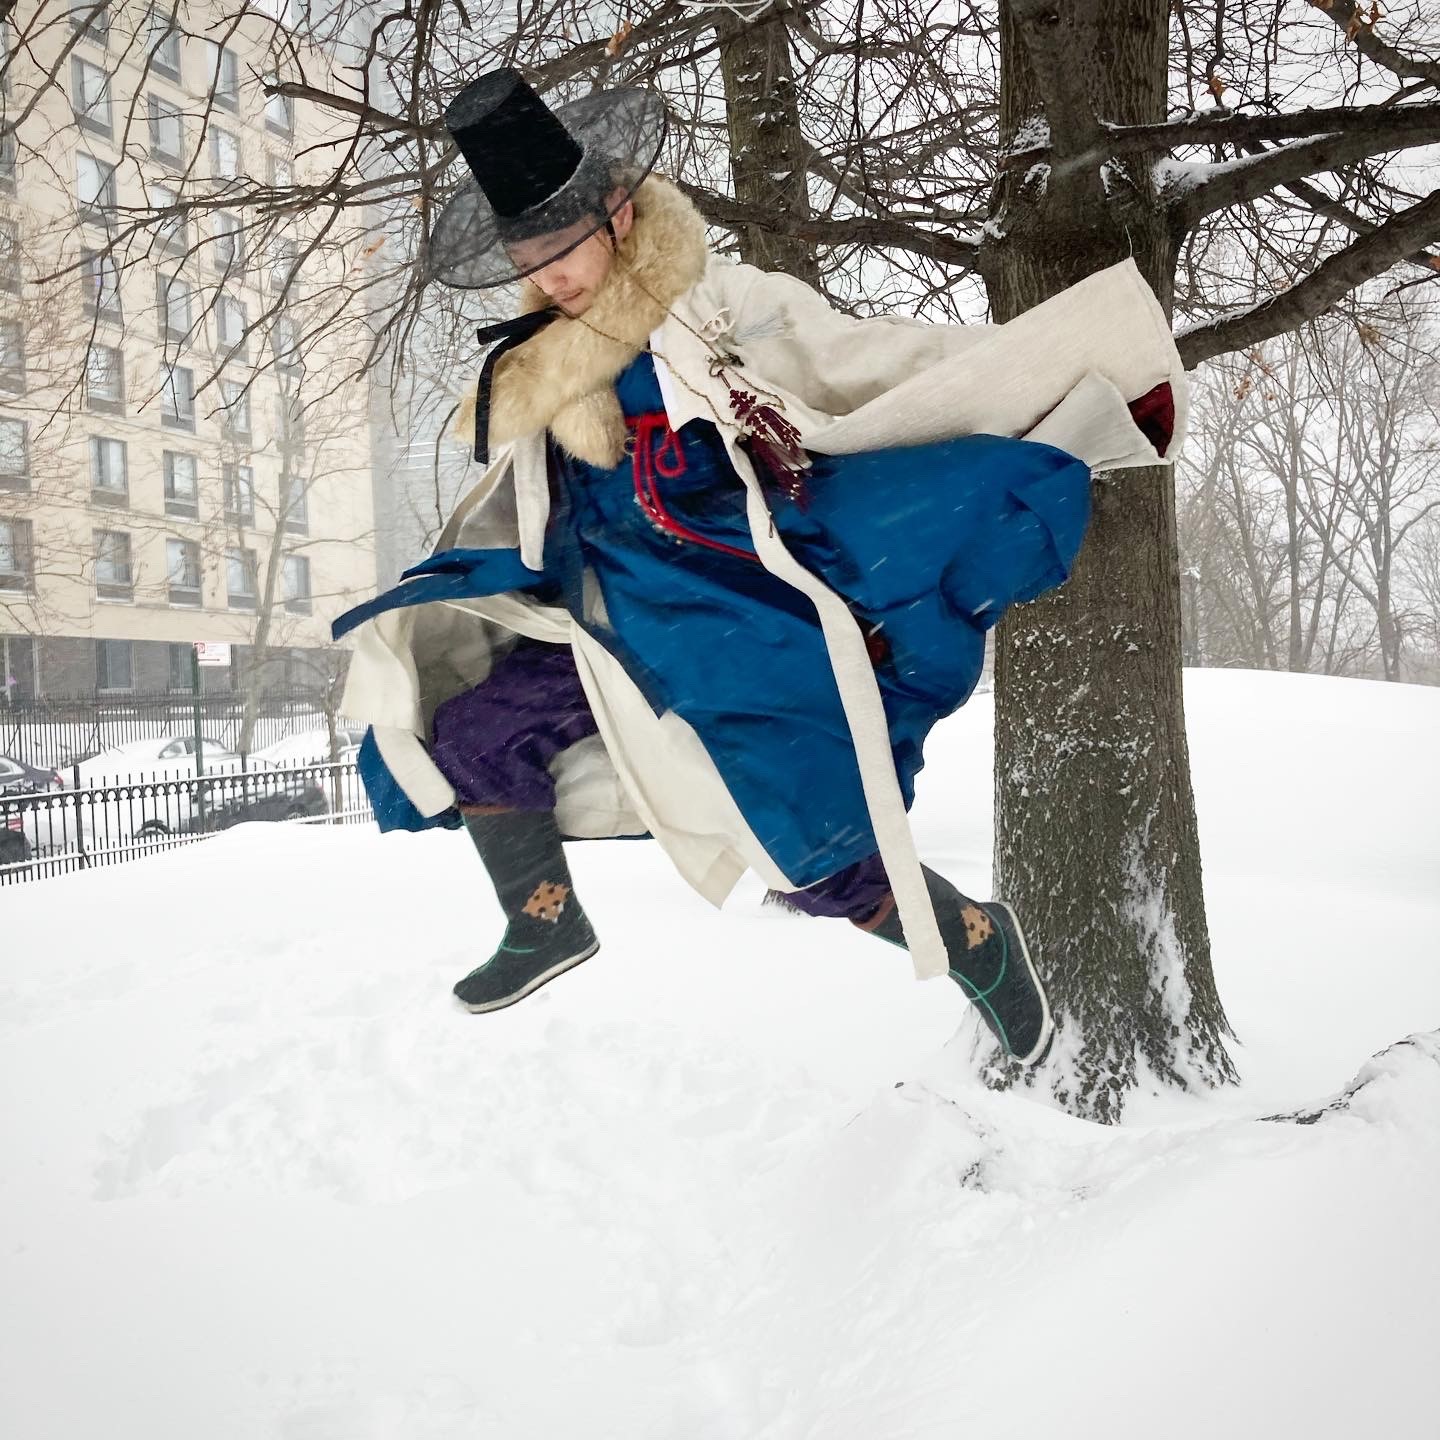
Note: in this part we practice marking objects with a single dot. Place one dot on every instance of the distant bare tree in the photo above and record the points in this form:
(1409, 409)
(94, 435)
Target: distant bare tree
(313, 443)
(1316, 462)
(1422, 577)
(1389, 437)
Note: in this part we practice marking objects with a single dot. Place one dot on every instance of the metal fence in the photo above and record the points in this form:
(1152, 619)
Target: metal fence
(57, 732)
(54, 831)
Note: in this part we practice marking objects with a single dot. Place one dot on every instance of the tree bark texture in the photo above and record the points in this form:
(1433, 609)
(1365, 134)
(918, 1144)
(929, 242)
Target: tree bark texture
(1096, 841)
(768, 153)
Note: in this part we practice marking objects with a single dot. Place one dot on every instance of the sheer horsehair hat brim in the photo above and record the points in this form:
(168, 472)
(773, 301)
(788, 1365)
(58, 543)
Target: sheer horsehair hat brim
(619, 133)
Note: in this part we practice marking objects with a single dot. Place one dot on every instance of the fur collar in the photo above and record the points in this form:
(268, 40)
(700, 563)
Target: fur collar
(563, 378)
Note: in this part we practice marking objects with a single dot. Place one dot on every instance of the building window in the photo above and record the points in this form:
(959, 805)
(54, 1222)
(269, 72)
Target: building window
(94, 188)
(90, 96)
(114, 577)
(224, 155)
(12, 355)
(177, 397)
(114, 665)
(282, 254)
(294, 507)
(279, 109)
(182, 673)
(100, 282)
(240, 578)
(229, 243)
(239, 485)
(17, 567)
(236, 400)
(289, 425)
(164, 44)
(232, 320)
(282, 173)
(182, 488)
(92, 21)
(7, 162)
(225, 75)
(109, 474)
(14, 454)
(170, 230)
(182, 571)
(167, 131)
(105, 379)
(10, 256)
(286, 341)
(296, 581)
(173, 298)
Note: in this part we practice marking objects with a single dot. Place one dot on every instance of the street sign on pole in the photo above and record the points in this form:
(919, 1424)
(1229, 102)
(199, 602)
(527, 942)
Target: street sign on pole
(209, 653)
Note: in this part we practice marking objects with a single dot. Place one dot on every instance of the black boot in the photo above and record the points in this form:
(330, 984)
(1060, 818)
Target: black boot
(548, 932)
(989, 961)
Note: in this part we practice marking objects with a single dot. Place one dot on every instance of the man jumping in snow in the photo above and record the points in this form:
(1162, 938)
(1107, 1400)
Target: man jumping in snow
(732, 557)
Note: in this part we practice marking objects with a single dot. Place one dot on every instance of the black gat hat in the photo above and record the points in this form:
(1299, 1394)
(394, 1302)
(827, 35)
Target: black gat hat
(547, 178)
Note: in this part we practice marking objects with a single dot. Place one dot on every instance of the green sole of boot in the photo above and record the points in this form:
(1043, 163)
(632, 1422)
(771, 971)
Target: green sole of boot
(530, 986)
(1038, 1052)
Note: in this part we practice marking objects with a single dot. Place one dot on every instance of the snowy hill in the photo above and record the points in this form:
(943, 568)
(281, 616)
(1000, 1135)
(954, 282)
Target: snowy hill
(733, 1179)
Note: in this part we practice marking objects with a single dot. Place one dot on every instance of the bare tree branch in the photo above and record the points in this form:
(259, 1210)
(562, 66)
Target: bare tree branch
(1322, 204)
(1236, 181)
(1361, 31)
(858, 230)
(1230, 127)
(1332, 279)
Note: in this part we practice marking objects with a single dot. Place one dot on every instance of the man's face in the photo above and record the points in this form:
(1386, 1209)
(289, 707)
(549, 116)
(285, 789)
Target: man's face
(573, 280)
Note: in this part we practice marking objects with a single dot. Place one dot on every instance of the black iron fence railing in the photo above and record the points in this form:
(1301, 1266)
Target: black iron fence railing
(56, 830)
(58, 732)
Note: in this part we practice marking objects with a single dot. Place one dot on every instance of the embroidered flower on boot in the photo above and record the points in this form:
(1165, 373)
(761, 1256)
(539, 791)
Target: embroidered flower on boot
(547, 902)
(978, 926)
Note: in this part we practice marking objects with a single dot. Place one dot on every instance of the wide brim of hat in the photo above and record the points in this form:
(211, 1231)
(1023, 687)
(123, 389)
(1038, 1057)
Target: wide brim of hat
(620, 133)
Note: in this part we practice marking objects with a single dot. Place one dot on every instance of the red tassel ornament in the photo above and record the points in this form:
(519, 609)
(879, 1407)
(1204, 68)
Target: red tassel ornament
(774, 443)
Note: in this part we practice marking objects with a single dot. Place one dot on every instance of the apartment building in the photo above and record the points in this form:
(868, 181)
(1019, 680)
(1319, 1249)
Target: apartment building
(173, 467)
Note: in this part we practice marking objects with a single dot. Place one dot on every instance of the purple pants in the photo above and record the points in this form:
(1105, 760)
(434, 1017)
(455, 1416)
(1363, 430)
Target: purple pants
(494, 744)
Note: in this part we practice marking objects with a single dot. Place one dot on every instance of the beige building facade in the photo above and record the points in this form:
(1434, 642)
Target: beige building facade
(182, 456)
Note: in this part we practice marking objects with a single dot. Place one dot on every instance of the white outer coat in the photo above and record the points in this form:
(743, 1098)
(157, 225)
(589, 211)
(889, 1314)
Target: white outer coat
(1061, 374)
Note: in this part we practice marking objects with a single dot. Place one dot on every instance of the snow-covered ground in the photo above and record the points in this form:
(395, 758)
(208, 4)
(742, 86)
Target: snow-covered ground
(733, 1179)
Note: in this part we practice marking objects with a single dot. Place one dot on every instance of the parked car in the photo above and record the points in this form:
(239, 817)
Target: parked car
(139, 791)
(161, 756)
(230, 803)
(312, 748)
(145, 794)
(309, 747)
(14, 843)
(18, 778)
(18, 830)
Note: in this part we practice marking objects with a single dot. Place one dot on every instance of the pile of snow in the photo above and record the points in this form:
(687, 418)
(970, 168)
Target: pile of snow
(734, 1178)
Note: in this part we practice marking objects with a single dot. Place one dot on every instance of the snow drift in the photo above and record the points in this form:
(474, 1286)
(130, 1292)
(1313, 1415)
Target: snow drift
(734, 1179)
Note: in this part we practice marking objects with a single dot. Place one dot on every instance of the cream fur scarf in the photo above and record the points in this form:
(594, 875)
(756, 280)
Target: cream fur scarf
(564, 377)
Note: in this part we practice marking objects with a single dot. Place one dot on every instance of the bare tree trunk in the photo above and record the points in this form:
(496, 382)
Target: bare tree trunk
(260, 642)
(1262, 636)
(768, 153)
(1190, 648)
(1296, 648)
(1096, 837)
(1386, 628)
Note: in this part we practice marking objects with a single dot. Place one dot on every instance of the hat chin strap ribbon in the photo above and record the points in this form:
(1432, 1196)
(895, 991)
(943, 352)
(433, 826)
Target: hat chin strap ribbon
(509, 334)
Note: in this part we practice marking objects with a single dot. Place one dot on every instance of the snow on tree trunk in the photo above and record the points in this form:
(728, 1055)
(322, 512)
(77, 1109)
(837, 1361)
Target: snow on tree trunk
(1096, 840)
